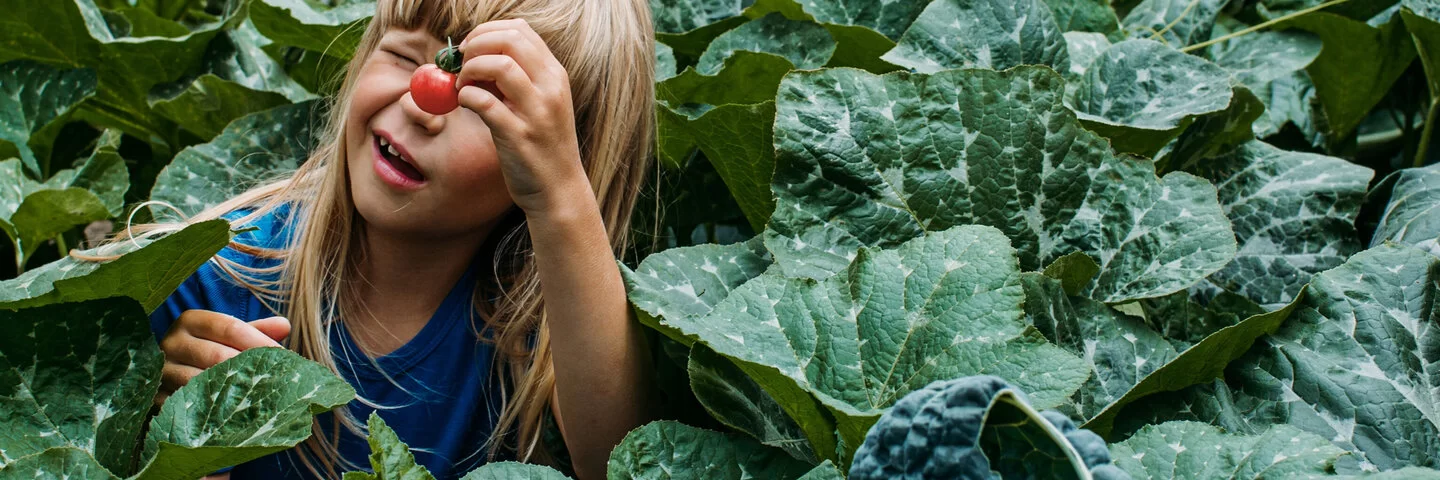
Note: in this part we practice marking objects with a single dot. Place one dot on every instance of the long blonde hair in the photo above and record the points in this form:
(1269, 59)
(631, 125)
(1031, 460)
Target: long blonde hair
(607, 48)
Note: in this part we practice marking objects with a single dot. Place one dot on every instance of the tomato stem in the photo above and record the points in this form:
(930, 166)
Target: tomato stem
(449, 58)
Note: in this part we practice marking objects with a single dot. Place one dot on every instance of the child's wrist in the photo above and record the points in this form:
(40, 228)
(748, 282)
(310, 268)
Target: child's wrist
(563, 203)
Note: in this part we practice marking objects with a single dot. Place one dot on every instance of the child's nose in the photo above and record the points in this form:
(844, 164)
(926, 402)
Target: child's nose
(430, 122)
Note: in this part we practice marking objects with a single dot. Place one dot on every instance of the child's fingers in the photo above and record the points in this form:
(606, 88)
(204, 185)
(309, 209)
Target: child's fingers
(512, 81)
(277, 328)
(175, 375)
(182, 348)
(224, 329)
(494, 112)
(536, 60)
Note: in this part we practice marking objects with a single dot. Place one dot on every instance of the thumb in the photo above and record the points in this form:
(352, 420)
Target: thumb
(277, 328)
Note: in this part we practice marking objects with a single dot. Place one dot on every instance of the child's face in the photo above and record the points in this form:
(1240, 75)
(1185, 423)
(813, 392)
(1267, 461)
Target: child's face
(460, 189)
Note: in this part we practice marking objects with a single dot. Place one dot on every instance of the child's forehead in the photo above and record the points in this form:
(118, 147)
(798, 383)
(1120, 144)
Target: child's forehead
(439, 18)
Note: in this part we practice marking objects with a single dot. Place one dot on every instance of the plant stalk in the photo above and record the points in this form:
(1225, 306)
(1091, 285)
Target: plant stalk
(1261, 26)
(1422, 149)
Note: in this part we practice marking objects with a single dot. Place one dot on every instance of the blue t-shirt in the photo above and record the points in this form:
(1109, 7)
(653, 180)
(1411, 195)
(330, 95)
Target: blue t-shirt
(441, 396)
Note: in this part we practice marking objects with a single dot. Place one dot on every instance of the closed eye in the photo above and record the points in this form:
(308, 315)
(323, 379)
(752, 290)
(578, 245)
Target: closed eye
(402, 57)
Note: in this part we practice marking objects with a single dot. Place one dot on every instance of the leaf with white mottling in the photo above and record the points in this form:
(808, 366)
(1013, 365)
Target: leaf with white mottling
(677, 451)
(1176, 22)
(1083, 49)
(313, 26)
(807, 45)
(256, 147)
(939, 306)
(865, 160)
(1412, 215)
(1293, 214)
(32, 95)
(513, 471)
(994, 34)
(1262, 57)
(80, 375)
(737, 401)
(1213, 133)
(66, 463)
(664, 62)
(390, 458)
(1140, 94)
(259, 402)
(1084, 15)
(1197, 450)
(688, 282)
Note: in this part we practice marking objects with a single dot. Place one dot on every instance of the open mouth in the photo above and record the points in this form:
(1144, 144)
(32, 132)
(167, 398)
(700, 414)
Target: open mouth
(393, 157)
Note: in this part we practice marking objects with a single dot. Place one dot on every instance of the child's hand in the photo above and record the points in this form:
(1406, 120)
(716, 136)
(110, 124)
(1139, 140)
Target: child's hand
(199, 339)
(532, 120)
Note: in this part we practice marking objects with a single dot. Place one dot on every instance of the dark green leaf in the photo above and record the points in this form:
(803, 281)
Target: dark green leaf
(47, 213)
(67, 463)
(1197, 450)
(390, 458)
(739, 402)
(1074, 271)
(332, 31)
(1213, 133)
(80, 375)
(513, 471)
(1176, 23)
(1412, 215)
(1356, 67)
(878, 160)
(805, 44)
(104, 173)
(256, 148)
(33, 95)
(1084, 15)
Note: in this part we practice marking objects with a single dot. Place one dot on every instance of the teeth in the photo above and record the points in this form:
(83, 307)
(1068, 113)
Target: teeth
(392, 150)
(384, 142)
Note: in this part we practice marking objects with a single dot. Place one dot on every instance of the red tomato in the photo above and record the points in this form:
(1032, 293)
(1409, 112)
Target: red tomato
(433, 89)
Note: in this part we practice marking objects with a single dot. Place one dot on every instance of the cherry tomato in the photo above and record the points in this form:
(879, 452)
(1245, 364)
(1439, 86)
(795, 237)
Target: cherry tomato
(433, 89)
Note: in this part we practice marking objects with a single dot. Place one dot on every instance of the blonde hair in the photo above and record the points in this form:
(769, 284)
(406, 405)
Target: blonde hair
(607, 48)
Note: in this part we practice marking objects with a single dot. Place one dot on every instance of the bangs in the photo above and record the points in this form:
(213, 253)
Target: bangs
(442, 18)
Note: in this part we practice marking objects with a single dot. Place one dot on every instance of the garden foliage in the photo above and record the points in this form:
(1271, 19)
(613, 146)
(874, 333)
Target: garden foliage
(1203, 231)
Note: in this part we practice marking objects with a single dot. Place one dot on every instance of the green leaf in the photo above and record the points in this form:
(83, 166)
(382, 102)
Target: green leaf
(147, 275)
(824, 471)
(33, 95)
(1258, 58)
(259, 402)
(80, 375)
(256, 148)
(1213, 133)
(1083, 49)
(390, 458)
(740, 403)
(1294, 216)
(1411, 216)
(47, 213)
(972, 428)
(664, 62)
(689, 282)
(1354, 364)
(1140, 94)
(677, 451)
(878, 160)
(994, 34)
(74, 33)
(104, 173)
(889, 18)
(332, 31)
(1197, 450)
(805, 44)
(68, 463)
(1074, 271)
(513, 470)
(1356, 67)
(1422, 20)
(236, 79)
(1084, 15)
(1177, 23)
(1290, 100)
(939, 306)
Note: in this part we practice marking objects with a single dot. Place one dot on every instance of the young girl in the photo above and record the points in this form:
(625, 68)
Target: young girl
(457, 269)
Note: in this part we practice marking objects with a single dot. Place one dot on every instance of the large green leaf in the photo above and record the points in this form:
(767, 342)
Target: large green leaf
(994, 34)
(255, 148)
(1356, 67)
(48, 213)
(1356, 363)
(236, 79)
(878, 160)
(1258, 58)
(1293, 214)
(1213, 133)
(513, 471)
(147, 275)
(390, 458)
(1197, 450)
(77, 375)
(333, 31)
(739, 402)
(1141, 94)
(805, 44)
(671, 450)
(103, 173)
(143, 51)
(1411, 216)
(259, 402)
(34, 212)
(1290, 100)
(33, 95)
(64, 462)
(1177, 23)
(943, 305)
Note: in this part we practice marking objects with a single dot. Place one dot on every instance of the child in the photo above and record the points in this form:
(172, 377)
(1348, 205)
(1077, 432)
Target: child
(413, 252)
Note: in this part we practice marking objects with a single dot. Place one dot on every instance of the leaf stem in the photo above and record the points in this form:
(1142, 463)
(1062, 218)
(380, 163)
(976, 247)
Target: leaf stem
(61, 246)
(1422, 149)
(1261, 26)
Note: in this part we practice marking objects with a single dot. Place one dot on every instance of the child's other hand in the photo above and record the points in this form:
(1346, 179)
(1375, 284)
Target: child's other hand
(532, 120)
(199, 339)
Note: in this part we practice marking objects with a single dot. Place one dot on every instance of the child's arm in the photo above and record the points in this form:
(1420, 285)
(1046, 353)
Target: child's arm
(602, 372)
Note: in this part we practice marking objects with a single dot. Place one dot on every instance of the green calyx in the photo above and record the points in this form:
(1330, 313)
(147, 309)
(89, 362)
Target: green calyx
(449, 58)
